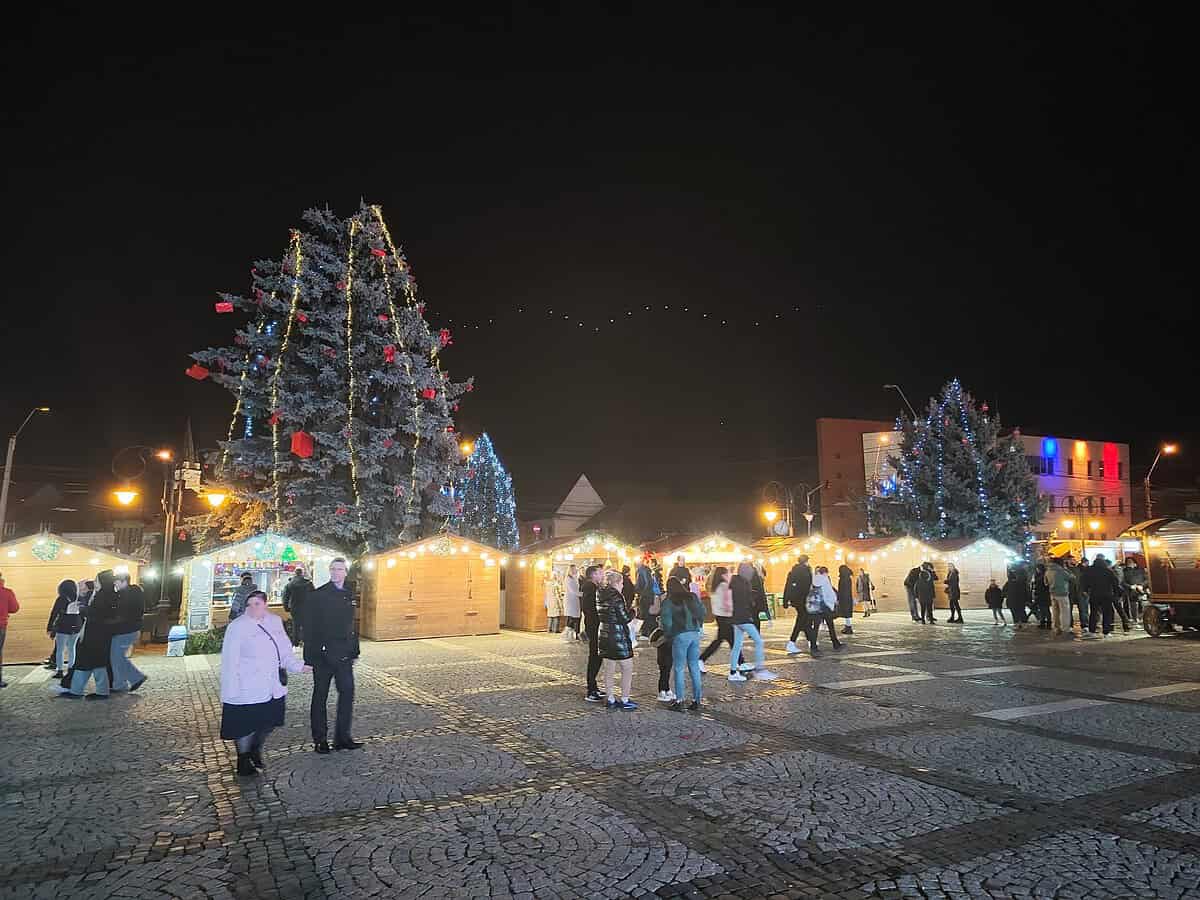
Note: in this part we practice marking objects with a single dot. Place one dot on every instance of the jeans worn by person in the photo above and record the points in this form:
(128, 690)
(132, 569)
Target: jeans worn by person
(80, 678)
(912, 603)
(812, 630)
(125, 674)
(739, 635)
(64, 650)
(685, 654)
(593, 665)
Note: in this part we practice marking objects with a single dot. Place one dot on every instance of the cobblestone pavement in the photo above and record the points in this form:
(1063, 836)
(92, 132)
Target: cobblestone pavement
(921, 761)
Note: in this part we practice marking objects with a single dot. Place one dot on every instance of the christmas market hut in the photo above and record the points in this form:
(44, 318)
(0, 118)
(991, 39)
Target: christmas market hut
(210, 579)
(440, 586)
(542, 566)
(977, 560)
(32, 568)
(701, 554)
(777, 555)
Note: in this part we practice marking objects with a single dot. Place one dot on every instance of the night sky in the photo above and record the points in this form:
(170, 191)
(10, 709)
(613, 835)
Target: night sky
(1006, 201)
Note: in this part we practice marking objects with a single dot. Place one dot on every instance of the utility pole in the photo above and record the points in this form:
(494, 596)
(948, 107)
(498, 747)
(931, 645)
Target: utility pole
(8, 464)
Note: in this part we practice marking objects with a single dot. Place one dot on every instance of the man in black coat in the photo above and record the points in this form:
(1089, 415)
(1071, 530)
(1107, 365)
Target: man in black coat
(331, 648)
(910, 589)
(294, 596)
(592, 578)
(1101, 586)
(795, 595)
(926, 590)
(131, 604)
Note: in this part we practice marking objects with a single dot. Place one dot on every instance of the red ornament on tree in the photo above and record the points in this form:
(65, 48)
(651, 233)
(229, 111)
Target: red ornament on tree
(429, 393)
(302, 444)
(375, 251)
(275, 418)
(196, 371)
(470, 387)
(341, 511)
(397, 491)
(239, 340)
(984, 407)
(383, 318)
(223, 307)
(330, 353)
(341, 285)
(301, 317)
(450, 428)
(444, 337)
(258, 295)
(389, 353)
(421, 308)
(387, 443)
(455, 407)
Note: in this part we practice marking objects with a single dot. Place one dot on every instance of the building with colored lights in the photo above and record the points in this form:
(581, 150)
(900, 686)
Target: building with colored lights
(1086, 482)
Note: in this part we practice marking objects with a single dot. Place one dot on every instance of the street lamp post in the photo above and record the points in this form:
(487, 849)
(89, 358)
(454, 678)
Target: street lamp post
(1167, 449)
(896, 388)
(8, 463)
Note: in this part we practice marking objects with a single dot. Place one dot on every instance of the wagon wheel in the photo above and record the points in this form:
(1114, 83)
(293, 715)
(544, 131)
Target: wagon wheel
(1152, 621)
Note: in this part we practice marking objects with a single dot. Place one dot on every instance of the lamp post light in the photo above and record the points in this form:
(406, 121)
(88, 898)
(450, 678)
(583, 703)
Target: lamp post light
(1165, 449)
(8, 463)
(897, 389)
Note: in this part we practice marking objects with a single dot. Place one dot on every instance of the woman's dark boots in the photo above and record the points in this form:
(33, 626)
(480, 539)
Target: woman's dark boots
(255, 755)
(244, 765)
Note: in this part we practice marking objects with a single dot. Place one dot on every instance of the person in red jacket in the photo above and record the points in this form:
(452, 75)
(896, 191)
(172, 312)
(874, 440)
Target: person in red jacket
(8, 606)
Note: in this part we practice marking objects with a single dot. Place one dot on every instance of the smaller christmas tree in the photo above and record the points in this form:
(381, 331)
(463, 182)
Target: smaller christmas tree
(489, 509)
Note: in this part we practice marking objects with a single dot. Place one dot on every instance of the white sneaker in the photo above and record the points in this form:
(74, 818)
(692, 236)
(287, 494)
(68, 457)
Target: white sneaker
(664, 696)
(746, 667)
(703, 667)
(736, 677)
(671, 696)
(791, 647)
(764, 675)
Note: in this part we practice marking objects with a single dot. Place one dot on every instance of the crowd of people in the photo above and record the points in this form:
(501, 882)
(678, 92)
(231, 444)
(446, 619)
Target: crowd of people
(1057, 594)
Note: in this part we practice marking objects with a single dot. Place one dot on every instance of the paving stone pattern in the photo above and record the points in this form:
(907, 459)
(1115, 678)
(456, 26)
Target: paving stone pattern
(485, 775)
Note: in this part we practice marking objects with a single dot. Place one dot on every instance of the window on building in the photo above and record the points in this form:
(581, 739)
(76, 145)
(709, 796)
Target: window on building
(1100, 468)
(1050, 502)
(1041, 465)
(1071, 503)
(1121, 505)
(1089, 504)
(1070, 467)
(1102, 505)
(1089, 474)
(1120, 471)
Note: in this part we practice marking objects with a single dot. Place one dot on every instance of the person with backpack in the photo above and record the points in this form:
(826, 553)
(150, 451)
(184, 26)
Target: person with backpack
(682, 619)
(910, 589)
(63, 626)
(821, 603)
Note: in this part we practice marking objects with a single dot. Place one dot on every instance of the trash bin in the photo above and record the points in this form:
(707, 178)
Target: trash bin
(176, 640)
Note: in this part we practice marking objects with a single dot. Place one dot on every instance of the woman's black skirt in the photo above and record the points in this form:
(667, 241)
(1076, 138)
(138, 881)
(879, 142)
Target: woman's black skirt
(241, 719)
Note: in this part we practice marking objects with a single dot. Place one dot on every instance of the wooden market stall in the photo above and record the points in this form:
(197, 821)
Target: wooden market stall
(978, 560)
(547, 561)
(33, 567)
(211, 578)
(437, 587)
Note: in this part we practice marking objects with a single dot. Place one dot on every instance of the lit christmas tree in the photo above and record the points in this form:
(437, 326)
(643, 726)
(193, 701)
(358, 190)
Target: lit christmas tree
(958, 477)
(489, 508)
(343, 427)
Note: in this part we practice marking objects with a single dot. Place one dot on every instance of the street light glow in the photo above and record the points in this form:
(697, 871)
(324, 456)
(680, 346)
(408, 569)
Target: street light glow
(1068, 524)
(1094, 525)
(164, 455)
(214, 498)
(467, 448)
(770, 515)
(125, 496)
(1169, 448)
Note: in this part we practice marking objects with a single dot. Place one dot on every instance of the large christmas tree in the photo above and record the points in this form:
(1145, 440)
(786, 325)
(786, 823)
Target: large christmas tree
(489, 507)
(342, 428)
(957, 476)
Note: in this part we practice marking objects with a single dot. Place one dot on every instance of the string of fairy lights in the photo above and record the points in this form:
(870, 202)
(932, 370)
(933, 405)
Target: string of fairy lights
(297, 267)
(352, 380)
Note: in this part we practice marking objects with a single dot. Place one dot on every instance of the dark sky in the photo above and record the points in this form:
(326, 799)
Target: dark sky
(1006, 201)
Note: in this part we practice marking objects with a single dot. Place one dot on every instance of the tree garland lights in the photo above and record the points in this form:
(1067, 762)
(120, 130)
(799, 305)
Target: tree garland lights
(352, 379)
(297, 265)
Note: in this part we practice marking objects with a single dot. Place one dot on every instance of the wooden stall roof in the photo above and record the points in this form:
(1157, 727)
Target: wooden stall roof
(767, 547)
(714, 547)
(579, 546)
(269, 540)
(11, 551)
(441, 545)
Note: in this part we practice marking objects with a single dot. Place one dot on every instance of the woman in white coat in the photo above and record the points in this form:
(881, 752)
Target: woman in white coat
(255, 659)
(823, 601)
